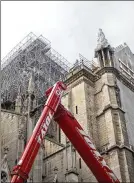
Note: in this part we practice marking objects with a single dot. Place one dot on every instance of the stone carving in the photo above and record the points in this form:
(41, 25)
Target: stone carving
(56, 174)
(21, 129)
(21, 135)
(101, 40)
(4, 167)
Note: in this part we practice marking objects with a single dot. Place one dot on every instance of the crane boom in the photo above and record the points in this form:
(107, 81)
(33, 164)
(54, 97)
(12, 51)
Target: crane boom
(83, 144)
(81, 141)
(21, 171)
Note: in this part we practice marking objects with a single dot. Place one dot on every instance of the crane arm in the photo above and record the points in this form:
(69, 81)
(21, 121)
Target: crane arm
(83, 144)
(81, 141)
(21, 171)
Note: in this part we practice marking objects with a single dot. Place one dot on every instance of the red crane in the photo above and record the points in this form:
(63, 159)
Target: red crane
(80, 140)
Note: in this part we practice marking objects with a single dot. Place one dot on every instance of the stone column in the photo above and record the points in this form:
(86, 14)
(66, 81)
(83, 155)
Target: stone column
(37, 167)
(20, 143)
(30, 125)
(109, 58)
(18, 103)
(71, 173)
(73, 157)
(55, 174)
(99, 60)
(103, 57)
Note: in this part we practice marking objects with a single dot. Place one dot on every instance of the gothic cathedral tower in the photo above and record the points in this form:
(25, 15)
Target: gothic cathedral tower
(93, 97)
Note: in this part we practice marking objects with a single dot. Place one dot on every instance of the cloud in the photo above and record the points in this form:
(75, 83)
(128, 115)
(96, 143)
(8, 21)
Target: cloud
(71, 26)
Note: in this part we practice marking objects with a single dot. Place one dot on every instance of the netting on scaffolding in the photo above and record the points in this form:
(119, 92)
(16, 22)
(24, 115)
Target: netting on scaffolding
(32, 55)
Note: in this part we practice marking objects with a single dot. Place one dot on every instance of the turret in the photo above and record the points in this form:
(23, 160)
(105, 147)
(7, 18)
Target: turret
(104, 52)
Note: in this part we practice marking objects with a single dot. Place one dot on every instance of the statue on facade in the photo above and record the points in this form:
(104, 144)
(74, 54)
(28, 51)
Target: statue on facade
(103, 52)
(101, 40)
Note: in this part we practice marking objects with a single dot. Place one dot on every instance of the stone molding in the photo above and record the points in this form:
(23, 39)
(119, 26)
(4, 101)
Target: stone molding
(75, 76)
(112, 107)
(117, 73)
(53, 154)
(88, 75)
(54, 141)
(73, 170)
(104, 84)
(117, 147)
(60, 150)
(12, 112)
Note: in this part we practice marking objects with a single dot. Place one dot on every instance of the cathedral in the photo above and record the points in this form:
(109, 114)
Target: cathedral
(100, 95)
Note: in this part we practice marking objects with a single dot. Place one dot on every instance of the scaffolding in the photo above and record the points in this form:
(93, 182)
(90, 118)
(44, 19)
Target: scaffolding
(84, 62)
(89, 64)
(33, 55)
(20, 46)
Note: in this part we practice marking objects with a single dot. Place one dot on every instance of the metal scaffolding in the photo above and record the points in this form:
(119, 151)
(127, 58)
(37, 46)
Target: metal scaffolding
(89, 64)
(84, 62)
(33, 55)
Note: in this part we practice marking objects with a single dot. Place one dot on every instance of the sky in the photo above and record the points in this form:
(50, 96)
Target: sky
(71, 26)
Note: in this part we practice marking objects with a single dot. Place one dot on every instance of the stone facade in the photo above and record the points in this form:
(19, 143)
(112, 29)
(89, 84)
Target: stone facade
(11, 135)
(100, 114)
(102, 102)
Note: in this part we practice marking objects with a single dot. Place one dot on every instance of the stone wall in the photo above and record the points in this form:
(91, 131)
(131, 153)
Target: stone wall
(51, 146)
(79, 100)
(125, 55)
(99, 107)
(112, 130)
(66, 170)
(10, 133)
(127, 101)
(55, 160)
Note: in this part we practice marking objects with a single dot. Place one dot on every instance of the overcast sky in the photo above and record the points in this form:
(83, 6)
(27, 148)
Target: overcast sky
(72, 27)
